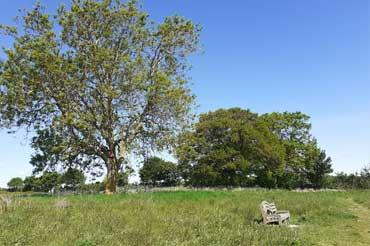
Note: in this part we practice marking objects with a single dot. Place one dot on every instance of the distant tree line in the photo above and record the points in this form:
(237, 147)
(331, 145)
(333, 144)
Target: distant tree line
(72, 179)
(162, 176)
(236, 147)
(229, 148)
(358, 180)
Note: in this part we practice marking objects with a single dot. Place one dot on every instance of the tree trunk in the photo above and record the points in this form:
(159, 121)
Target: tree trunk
(111, 180)
(113, 166)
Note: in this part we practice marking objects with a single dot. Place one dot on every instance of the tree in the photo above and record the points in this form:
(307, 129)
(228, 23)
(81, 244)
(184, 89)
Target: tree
(101, 77)
(304, 165)
(45, 183)
(158, 172)
(123, 176)
(49, 181)
(365, 172)
(32, 183)
(293, 130)
(73, 178)
(365, 177)
(15, 184)
(355, 180)
(230, 147)
(317, 173)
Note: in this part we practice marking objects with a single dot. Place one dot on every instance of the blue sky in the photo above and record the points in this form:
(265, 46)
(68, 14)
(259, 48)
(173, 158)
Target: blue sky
(266, 55)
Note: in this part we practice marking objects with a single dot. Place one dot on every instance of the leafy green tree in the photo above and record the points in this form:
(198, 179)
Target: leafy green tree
(15, 184)
(122, 179)
(100, 75)
(293, 130)
(365, 178)
(32, 183)
(123, 176)
(45, 183)
(355, 180)
(158, 172)
(365, 172)
(318, 172)
(304, 166)
(49, 180)
(73, 178)
(230, 147)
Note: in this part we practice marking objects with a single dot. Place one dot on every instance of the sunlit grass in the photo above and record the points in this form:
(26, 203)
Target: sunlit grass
(187, 218)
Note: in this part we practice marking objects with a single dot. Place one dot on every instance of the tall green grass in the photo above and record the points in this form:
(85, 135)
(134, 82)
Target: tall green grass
(186, 218)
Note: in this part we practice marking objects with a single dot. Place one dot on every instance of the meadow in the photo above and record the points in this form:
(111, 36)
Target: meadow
(187, 218)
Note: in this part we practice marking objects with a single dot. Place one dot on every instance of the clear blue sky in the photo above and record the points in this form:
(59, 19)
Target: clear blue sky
(266, 55)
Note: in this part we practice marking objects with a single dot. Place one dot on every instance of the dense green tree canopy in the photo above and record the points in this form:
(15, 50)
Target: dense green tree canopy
(15, 184)
(305, 164)
(229, 147)
(32, 183)
(73, 178)
(235, 147)
(158, 172)
(49, 181)
(317, 171)
(101, 77)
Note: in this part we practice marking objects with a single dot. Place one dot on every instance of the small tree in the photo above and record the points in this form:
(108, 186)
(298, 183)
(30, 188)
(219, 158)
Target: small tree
(318, 172)
(158, 172)
(49, 181)
(123, 176)
(15, 184)
(365, 177)
(73, 178)
(32, 183)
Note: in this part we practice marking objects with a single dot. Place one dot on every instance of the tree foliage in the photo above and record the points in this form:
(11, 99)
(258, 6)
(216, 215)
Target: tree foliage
(45, 183)
(15, 184)
(158, 172)
(230, 147)
(237, 147)
(100, 78)
(357, 180)
(123, 176)
(73, 178)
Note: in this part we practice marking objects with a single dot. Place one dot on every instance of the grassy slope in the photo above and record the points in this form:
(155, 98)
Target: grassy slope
(187, 218)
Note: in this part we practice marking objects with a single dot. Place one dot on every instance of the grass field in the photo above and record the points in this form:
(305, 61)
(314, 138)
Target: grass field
(187, 218)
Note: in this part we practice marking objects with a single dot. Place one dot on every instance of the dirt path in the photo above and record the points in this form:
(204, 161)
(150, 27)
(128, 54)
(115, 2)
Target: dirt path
(363, 221)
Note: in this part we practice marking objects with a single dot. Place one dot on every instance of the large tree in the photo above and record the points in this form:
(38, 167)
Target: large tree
(293, 130)
(239, 147)
(101, 76)
(230, 147)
